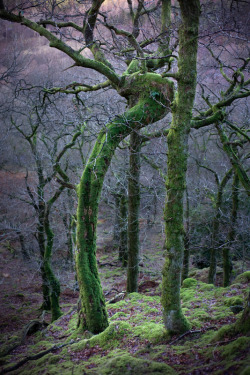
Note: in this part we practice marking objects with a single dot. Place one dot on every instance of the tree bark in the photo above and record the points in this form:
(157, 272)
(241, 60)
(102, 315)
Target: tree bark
(177, 140)
(185, 269)
(133, 213)
(53, 283)
(215, 228)
(227, 263)
(153, 94)
(123, 227)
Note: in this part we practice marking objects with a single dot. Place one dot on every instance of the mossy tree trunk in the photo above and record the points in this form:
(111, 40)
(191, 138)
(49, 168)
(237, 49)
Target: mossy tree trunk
(185, 269)
(153, 94)
(177, 140)
(116, 233)
(243, 324)
(227, 263)
(123, 227)
(215, 227)
(133, 213)
(53, 283)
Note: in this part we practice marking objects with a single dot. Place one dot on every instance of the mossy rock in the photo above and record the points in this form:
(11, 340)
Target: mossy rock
(243, 278)
(189, 283)
(233, 301)
(126, 365)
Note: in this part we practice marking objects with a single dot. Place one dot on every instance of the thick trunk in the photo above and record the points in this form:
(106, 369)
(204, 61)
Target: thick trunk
(153, 94)
(133, 213)
(177, 140)
(227, 263)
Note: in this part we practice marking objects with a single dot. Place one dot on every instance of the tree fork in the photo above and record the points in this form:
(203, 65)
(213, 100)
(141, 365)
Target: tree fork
(155, 94)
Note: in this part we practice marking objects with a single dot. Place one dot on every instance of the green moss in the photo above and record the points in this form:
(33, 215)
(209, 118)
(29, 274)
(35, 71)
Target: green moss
(206, 287)
(187, 295)
(243, 278)
(227, 330)
(126, 364)
(112, 335)
(233, 301)
(189, 283)
(233, 348)
(153, 332)
(200, 315)
(118, 315)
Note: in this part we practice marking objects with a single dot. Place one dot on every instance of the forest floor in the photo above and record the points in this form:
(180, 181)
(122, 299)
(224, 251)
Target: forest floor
(135, 341)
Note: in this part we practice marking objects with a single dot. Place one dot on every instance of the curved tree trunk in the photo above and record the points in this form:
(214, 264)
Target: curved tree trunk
(154, 93)
(133, 213)
(177, 140)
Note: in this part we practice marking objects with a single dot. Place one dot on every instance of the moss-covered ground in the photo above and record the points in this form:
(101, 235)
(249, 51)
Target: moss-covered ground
(135, 341)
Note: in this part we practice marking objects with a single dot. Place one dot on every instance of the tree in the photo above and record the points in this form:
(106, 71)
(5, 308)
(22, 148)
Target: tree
(41, 192)
(145, 85)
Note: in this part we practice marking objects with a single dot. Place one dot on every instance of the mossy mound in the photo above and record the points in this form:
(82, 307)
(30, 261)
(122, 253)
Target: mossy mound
(243, 278)
(112, 335)
(189, 283)
(125, 364)
(153, 332)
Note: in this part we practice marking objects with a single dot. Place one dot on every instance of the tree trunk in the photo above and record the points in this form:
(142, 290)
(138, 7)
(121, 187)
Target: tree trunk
(123, 224)
(117, 231)
(46, 305)
(227, 263)
(215, 229)
(243, 324)
(23, 247)
(185, 269)
(177, 140)
(53, 283)
(149, 108)
(133, 213)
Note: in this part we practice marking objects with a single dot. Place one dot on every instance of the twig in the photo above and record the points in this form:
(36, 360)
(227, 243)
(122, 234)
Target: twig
(34, 357)
(189, 333)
